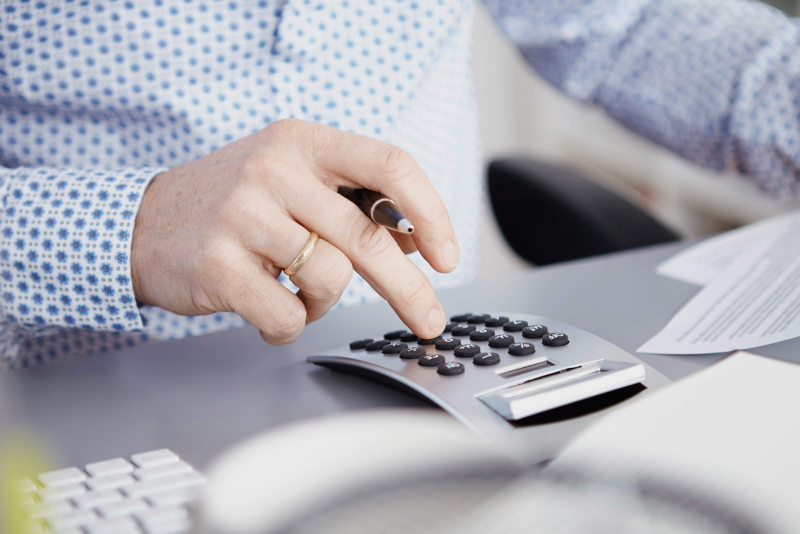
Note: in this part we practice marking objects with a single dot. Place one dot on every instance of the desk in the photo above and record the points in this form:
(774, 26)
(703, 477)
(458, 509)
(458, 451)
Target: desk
(198, 396)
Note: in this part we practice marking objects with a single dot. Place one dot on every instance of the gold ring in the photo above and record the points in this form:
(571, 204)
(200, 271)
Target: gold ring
(311, 244)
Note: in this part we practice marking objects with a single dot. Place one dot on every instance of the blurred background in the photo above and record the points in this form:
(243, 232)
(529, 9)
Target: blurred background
(522, 114)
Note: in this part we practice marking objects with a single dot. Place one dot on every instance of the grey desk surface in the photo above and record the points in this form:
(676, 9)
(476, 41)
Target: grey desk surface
(200, 395)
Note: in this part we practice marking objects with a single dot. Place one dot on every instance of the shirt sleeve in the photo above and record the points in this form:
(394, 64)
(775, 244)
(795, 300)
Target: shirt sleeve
(716, 81)
(65, 251)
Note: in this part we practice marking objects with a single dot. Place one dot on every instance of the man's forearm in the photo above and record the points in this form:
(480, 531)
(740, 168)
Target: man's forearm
(713, 80)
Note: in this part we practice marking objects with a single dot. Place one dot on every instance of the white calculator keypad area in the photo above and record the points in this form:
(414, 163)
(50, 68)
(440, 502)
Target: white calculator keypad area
(150, 493)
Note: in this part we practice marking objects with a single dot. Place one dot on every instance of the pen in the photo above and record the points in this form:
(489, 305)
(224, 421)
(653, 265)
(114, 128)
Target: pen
(377, 207)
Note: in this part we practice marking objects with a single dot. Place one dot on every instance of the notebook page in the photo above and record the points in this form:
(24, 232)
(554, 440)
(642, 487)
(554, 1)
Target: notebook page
(731, 431)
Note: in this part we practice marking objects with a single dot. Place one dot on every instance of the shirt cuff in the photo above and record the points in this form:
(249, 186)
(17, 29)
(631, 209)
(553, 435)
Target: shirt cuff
(65, 248)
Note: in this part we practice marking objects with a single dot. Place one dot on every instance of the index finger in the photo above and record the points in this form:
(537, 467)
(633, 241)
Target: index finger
(383, 167)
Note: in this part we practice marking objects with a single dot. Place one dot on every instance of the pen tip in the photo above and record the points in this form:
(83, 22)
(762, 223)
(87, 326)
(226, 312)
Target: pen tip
(404, 225)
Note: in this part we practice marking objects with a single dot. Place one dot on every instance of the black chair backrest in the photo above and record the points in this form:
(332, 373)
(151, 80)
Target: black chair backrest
(550, 214)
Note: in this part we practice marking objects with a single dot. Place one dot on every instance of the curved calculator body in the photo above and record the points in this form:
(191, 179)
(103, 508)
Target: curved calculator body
(527, 403)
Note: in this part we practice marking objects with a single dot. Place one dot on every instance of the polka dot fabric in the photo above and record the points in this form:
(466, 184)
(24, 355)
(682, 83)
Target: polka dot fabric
(97, 98)
(716, 81)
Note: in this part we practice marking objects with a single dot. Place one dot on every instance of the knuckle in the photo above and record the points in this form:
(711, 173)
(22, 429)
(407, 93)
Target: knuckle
(413, 290)
(284, 128)
(286, 327)
(339, 273)
(398, 163)
(372, 239)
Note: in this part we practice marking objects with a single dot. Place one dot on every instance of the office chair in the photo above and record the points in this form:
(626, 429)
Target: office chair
(549, 214)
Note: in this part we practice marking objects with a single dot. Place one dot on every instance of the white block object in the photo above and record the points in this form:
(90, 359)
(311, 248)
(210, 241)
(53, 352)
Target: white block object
(157, 458)
(162, 471)
(62, 477)
(116, 466)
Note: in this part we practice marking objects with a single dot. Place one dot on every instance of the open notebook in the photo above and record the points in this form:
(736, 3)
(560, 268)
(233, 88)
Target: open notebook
(731, 432)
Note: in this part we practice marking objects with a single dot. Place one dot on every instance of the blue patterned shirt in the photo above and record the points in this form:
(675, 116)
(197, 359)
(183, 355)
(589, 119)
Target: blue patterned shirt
(97, 98)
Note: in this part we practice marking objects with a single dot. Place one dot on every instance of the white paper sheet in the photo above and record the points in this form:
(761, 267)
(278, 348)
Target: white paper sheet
(706, 261)
(731, 432)
(754, 302)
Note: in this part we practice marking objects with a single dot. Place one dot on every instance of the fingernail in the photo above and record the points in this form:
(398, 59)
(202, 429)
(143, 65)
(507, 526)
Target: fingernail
(436, 322)
(450, 254)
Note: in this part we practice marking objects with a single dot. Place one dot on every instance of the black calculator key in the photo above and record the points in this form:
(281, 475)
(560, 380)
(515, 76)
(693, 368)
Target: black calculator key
(496, 321)
(466, 351)
(462, 330)
(461, 318)
(447, 343)
(555, 339)
(394, 334)
(412, 354)
(481, 334)
(408, 337)
(360, 344)
(448, 327)
(450, 369)
(431, 360)
(478, 319)
(502, 341)
(521, 349)
(486, 358)
(394, 348)
(515, 326)
(534, 331)
(428, 341)
(377, 345)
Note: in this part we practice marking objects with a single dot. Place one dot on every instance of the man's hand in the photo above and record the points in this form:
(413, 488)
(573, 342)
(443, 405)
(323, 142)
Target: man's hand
(213, 234)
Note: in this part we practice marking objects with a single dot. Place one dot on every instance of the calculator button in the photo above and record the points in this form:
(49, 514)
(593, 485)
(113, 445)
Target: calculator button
(412, 353)
(521, 349)
(481, 334)
(447, 343)
(408, 337)
(478, 319)
(555, 339)
(515, 326)
(394, 348)
(534, 331)
(450, 369)
(360, 344)
(467, 351)
(395, 334)
(448, 327)
(496, 321)
(462, 330)
(486, 358)
(377, 345)
(429, 341)
(461, 318)
(431, 360)
(502, 341)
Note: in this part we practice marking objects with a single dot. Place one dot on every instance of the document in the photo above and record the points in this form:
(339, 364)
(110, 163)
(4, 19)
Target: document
(728, 434)
(704, 262)
(755, 301)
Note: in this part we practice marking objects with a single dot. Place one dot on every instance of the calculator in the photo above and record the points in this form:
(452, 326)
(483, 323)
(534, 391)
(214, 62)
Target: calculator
(524, 382)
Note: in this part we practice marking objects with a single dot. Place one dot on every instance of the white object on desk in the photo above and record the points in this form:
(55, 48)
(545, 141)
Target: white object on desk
(252, 488)
(731, 430)
(705, 262)
(754, 302)
(109, 499)
(117, 466)
(157, 458)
